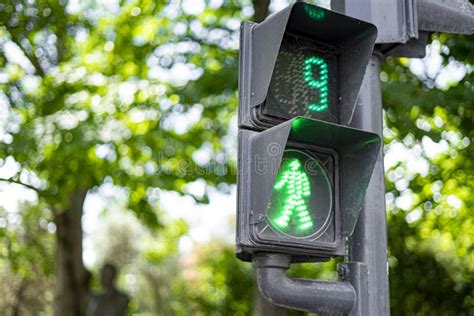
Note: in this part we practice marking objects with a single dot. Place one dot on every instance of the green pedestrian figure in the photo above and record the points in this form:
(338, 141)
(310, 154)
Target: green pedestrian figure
(294, 180)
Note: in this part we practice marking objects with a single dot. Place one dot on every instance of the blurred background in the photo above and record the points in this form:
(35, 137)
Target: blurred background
(118, 144)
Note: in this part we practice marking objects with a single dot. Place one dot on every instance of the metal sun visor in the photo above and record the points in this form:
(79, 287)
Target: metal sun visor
(357, 151)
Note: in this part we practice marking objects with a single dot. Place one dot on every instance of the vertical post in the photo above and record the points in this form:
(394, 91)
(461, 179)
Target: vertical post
(368, 244)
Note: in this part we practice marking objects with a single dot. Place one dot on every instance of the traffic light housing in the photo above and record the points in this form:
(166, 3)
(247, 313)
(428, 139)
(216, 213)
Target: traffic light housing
(302, 61)
(301, 186)
(302, 172)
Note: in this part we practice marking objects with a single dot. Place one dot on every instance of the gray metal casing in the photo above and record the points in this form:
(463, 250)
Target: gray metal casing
(356, 150)
(260, 44)
(449, 16)
(405, 26)
(395, 19)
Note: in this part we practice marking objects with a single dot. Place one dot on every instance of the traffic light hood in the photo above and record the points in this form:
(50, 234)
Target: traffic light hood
(262, 154)
(352, 39)
(357, 151)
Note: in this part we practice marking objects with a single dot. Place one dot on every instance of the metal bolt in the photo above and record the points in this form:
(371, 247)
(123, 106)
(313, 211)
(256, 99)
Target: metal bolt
(342, 272)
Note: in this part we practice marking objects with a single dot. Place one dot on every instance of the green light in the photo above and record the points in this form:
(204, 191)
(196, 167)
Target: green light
(294, 183)
(320, 84)
(301, 202)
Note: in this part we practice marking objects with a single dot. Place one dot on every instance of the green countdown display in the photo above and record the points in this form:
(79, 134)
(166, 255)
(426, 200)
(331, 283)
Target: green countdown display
(315, 13)
(303, 82)
(320, 84)
(301, 199)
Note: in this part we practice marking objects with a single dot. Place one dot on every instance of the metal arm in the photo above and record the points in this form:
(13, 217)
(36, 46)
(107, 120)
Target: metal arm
(337, 298)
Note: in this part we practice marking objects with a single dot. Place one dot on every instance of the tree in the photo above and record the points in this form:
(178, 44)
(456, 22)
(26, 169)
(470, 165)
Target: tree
(94, 93)
(431, 228)
(26, 260)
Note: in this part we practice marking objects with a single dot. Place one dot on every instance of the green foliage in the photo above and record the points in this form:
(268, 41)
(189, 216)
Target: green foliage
(26, 260)
(215, 283)
(126, 95)
(207, 281)
(90, 102)
(94, 94)
(431, 240)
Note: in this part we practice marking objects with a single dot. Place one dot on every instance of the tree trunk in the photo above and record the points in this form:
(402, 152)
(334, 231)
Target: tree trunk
(19, 298)
(71, 276)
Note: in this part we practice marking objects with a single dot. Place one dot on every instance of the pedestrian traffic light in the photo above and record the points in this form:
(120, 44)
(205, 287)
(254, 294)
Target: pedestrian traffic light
(302, 61)
(301, 184)
(302, 172)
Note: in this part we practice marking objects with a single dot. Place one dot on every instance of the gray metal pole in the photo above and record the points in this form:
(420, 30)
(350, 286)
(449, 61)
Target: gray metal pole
(368, 244)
